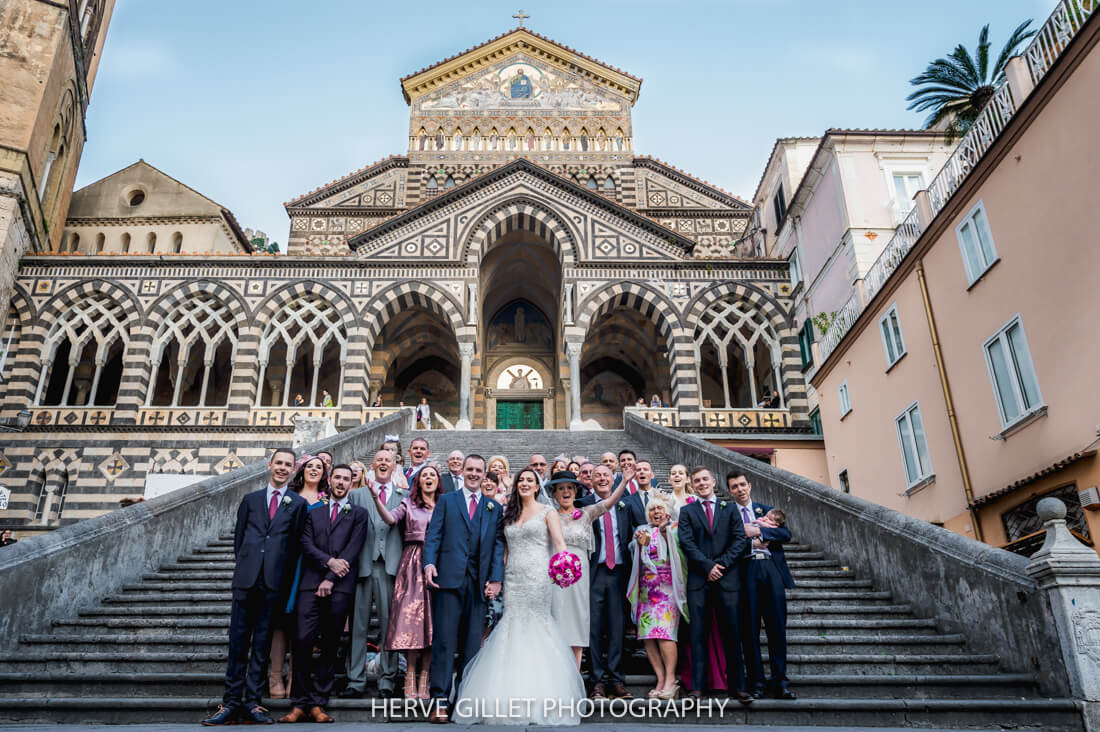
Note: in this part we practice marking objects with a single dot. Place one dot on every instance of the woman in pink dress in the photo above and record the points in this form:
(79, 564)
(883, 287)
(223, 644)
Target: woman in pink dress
(410, 628)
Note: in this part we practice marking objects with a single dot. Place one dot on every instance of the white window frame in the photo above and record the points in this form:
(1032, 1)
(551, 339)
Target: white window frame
(794, 267)
(927, 474)
(972, 277)
(904, 207)
(1026, 412)
(887, 338)
(845, 396)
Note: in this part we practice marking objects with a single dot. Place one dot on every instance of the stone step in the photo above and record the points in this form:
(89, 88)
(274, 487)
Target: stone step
(159, 609)
(865, 625)
(80, 683)
(169, 596)
(1050, 715)
(139, 624)
(191, 575)
(213, 659)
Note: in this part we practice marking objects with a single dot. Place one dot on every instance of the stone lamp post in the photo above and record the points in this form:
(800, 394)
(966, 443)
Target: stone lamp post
(1069, 573)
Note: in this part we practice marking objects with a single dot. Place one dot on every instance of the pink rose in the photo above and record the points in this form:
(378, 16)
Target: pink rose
(577, 514)
(691, 499)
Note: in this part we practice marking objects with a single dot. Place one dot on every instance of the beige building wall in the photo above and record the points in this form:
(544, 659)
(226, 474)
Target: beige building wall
(1038, 191)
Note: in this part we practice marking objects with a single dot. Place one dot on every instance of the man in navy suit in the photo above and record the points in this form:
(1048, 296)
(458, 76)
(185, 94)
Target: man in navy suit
(610, 572)
(713, 540)
(419, 452)
(333, 537)
(265, 543)
(766, 580)
(464, 566)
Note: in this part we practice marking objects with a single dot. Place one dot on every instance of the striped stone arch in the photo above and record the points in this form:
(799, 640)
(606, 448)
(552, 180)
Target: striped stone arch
(520, 214)
(761, 300)
(287, 294)
(70, 296)
(656, 307)
(169, 301)
(414, 293)
(790, 370)
(23, 305)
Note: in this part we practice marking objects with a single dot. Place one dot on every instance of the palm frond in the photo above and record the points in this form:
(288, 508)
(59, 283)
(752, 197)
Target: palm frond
(1012, 48)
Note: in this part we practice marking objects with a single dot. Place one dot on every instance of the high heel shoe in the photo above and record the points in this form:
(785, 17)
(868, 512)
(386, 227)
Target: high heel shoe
(275, 687)
(425, 688)
(410, 685)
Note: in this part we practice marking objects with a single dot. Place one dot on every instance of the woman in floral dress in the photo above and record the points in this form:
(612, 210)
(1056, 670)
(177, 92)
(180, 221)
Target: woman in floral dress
(410, 628)
(658, 593)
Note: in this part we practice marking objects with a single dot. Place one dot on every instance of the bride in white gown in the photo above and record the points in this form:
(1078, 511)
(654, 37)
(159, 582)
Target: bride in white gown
(526, 672)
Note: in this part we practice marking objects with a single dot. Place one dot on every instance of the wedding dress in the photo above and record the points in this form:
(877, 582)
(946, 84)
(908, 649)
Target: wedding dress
(526, 672)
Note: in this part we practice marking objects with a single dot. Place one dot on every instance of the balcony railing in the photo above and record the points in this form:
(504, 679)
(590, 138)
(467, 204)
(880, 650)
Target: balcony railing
(747, 418)
(1059, 29)
(1055, 35)
(840, 325)
(905, 236)
(667, 416)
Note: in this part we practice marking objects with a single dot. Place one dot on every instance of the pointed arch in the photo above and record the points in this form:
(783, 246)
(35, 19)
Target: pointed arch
(520, 214)
(403, 295)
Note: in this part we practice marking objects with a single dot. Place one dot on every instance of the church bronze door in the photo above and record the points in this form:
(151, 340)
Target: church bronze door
(519, 415)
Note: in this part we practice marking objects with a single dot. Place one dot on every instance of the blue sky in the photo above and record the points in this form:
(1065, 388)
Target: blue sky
(255, 103)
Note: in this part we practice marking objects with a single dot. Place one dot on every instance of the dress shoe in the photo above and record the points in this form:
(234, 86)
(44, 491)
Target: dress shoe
(618, 691)
(438, 715)
(297, 714)
(758, 693)
(695, 694)
(351, 693)
(785, 693)
(224, 715)
(598, 692)
(317, 714)
(257, 715)
(743, 697)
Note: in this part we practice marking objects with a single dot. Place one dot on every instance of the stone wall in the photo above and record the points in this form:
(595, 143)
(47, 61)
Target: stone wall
(968, 587)
(56, 574)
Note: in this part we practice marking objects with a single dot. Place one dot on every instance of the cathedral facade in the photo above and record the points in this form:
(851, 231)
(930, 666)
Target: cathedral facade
(518, 266)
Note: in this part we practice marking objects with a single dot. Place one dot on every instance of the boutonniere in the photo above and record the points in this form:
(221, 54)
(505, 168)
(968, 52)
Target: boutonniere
(287, 500)
(490, 506)
(577, 514)
(619, 506)
(323, 498)
(691, 499)
(722, 504)
(346, 508)
(759, 511)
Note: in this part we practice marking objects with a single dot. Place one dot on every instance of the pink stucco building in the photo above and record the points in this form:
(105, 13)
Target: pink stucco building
(958, 384)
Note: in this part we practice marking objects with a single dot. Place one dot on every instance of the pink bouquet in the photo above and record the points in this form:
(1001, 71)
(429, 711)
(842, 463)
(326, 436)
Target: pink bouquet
(565, 569)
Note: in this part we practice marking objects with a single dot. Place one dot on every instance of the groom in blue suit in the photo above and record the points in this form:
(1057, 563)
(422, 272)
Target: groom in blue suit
(464, 566)
(266, 546)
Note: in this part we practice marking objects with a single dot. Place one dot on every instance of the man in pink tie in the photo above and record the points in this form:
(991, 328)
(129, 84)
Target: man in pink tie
(378, 564)
(266, 547)
(627, 461)
(712, 537)
(610, 570)
(464, 566)
(333, 538)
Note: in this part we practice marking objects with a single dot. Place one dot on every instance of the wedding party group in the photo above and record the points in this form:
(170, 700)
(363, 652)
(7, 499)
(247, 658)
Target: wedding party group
(491, 586)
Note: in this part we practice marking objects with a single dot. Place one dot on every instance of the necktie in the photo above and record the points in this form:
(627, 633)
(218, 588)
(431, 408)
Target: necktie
(633, 486)
(382, 495)
(608, 541)
(473, 505)
(335, 510)
(274, 505)
(710, 514)
(745, 515)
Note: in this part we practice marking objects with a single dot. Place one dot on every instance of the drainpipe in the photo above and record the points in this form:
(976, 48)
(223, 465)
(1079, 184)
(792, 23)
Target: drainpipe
(968, 489)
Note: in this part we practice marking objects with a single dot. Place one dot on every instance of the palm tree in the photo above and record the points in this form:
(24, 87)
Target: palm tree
(957, 87)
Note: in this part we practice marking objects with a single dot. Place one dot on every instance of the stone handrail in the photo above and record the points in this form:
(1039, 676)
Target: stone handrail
(56, 574)
(966, 586)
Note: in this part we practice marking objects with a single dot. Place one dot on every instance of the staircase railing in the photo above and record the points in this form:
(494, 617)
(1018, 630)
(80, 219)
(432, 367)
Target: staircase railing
(971, 588)
(56, 574)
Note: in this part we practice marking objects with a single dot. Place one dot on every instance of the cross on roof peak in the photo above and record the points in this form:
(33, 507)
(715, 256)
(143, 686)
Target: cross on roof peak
(521, 16)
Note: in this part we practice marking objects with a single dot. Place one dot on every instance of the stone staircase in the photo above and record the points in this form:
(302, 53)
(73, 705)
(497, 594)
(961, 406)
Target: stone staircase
(155, 651)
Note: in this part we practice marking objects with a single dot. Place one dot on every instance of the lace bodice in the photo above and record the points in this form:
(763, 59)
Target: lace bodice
(527, 585)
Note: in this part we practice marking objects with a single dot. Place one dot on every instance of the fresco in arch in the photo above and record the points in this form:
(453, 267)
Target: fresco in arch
(520, 323)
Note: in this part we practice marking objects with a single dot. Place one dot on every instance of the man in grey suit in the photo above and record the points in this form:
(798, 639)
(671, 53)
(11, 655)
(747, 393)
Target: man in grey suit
(377, 567)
